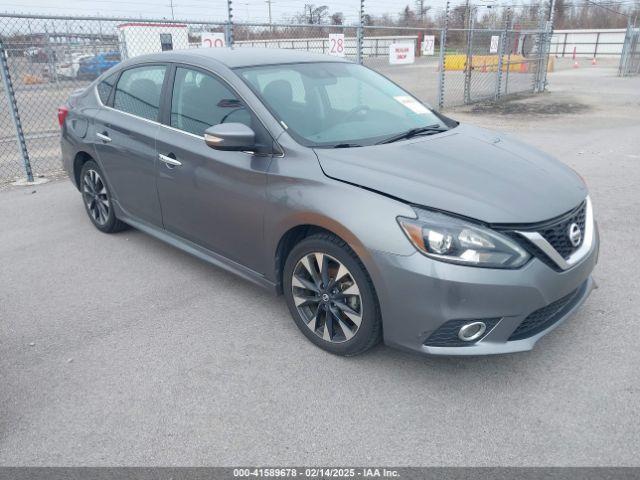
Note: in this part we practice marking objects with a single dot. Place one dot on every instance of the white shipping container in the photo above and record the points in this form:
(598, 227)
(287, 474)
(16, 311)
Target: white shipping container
(143, 38)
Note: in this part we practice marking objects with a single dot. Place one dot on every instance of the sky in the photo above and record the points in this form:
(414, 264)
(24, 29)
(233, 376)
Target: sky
(209, 10)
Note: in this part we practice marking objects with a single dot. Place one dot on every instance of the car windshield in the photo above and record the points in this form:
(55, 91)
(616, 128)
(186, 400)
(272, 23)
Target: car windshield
(339, 104)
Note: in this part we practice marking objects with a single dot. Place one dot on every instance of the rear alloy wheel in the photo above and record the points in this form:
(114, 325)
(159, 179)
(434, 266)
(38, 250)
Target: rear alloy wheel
(97, 199)
(330, 296)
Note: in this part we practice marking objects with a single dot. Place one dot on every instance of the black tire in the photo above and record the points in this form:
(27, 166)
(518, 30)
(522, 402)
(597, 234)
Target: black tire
(102, 216)
(369, 331)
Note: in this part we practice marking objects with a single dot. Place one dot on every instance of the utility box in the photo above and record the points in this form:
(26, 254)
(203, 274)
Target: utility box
(143, 38)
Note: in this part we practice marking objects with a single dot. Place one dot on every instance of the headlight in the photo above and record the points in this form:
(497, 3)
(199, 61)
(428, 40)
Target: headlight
(455, 240)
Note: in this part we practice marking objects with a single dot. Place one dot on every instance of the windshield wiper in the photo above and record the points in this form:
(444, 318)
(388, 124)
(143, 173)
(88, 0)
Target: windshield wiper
(346, 145)
(429, 129)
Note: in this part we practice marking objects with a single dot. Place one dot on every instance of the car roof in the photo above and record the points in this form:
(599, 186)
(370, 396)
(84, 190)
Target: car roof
(241, 57)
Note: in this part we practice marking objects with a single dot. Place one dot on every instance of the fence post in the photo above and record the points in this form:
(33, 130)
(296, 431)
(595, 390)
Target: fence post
(503, 43)
(228, 28)
(469, 61)
(540, 49)
(13, 109)
(443, 46)
(501, 50)
(622, 67)
(543, 60)
(548, 35)
(360, 34)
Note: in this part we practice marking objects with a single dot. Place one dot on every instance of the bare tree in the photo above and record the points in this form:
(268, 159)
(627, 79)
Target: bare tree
(407, 17)
(312, 14)
(337, 18)
(421, 10)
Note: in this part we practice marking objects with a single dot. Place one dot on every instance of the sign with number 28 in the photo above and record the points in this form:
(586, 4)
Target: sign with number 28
(336, 44)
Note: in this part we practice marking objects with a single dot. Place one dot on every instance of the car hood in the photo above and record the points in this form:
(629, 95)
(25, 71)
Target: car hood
(467, 170)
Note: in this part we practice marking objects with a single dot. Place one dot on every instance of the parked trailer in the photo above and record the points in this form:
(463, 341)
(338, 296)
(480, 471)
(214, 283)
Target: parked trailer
(143, 38)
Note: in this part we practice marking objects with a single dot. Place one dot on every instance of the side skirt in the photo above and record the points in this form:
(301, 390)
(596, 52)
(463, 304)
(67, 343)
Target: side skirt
(200, 252)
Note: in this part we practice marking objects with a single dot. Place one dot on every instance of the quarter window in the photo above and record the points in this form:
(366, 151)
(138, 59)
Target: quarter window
(105, 86)
(138, 91)
(201, 101)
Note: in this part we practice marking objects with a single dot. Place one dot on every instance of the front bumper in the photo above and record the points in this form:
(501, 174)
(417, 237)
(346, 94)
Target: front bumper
(418, 295)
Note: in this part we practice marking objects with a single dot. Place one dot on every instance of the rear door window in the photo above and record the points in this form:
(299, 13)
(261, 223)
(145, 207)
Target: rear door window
(139, 90)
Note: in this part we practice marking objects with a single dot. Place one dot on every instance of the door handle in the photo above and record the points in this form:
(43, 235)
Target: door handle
(169, 162)
(104, 137)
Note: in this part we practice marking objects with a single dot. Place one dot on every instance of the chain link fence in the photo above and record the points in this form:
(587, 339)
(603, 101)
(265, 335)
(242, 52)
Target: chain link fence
(45, 59)
(419, 73)
(630, 58)
(500, 59)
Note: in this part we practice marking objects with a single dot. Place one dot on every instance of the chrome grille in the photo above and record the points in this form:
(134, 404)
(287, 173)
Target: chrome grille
(558, 234)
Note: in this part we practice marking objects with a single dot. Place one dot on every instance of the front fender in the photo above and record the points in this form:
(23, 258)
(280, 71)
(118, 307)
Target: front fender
(364, 219)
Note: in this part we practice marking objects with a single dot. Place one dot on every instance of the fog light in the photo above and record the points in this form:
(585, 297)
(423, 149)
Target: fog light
(472, 331)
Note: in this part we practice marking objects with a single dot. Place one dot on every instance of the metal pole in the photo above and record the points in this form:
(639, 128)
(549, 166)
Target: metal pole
(50, 52)
(622, 67)
(13, 109)
(542, 48)
(443, 46)
(469, 62)
(229, 25)
(548, 35)
(504, 36)
(360, 34)
(270, 20)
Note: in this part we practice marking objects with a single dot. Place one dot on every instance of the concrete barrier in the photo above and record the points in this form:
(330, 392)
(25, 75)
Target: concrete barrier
(489, 63)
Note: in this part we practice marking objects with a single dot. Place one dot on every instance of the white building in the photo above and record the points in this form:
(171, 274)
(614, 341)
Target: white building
(143, 38)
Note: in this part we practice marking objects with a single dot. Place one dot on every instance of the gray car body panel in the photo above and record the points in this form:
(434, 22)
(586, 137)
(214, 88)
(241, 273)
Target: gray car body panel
(432, 291)
(233, 209)
(467, 170)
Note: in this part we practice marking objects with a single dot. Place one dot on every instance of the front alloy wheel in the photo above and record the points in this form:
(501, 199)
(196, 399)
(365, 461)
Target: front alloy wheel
(327, 297)
(331, 296)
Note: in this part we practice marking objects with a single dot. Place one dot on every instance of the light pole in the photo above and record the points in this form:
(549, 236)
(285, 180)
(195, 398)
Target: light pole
(269, 7)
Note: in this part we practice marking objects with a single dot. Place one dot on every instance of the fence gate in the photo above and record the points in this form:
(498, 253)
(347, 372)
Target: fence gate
(630, 58)
(489, 64)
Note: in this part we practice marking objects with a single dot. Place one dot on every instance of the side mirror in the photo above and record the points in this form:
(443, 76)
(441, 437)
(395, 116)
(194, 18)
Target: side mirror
(230, 136)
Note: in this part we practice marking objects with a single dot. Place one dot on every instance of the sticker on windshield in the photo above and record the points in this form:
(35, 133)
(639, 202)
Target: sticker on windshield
(412, 104)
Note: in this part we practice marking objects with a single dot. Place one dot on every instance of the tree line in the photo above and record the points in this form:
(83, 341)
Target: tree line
(568, 14)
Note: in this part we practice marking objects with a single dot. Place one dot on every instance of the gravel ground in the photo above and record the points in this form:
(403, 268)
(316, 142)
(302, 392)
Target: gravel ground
(120, 350)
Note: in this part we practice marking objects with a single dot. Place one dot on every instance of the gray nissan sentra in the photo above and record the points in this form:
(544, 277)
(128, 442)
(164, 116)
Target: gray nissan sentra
(376, 217)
